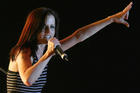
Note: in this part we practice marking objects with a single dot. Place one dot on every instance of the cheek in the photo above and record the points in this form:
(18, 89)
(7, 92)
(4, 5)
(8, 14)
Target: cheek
(52, 33)
(40, 35)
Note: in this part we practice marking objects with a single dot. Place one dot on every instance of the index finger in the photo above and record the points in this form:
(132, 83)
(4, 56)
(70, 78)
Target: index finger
(128, 7)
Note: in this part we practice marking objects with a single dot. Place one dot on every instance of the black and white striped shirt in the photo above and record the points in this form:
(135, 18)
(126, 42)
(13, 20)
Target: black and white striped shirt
(15, 84)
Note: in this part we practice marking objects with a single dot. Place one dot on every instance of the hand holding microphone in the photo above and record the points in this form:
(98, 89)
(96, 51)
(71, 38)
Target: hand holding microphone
(54, 45)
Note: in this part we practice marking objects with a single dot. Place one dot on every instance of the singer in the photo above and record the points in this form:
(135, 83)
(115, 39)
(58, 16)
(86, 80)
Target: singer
(27, 71)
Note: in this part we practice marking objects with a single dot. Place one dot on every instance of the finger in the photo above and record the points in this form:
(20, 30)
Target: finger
(126, 23)
(55, 41)
(127, 15)
(128, 7)
(51, 39)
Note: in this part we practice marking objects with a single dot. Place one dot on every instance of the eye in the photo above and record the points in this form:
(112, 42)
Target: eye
(52, 27)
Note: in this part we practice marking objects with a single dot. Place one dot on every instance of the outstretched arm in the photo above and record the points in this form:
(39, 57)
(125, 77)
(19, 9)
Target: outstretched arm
(87, 31)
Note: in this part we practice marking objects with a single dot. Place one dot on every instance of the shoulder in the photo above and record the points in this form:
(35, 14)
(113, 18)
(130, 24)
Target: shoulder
(24, 54)
(22, 57)
(25, 51)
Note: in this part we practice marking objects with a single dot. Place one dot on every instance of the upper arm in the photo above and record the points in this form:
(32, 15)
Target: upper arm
(23, 62)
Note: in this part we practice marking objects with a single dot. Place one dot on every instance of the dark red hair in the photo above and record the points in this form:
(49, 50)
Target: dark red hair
(34, 23)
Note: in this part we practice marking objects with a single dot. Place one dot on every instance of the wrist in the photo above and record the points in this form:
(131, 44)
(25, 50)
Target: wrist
(48, 54)
(111, 18)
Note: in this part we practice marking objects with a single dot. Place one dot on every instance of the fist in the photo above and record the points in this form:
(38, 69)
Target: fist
(52, 43)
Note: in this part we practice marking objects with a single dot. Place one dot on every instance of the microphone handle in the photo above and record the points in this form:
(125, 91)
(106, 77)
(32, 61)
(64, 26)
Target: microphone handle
(60, 52)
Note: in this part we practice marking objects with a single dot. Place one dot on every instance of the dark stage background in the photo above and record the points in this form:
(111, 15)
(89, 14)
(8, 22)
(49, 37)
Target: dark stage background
(106, 62)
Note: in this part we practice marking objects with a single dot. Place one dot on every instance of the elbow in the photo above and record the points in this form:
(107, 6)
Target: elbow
(79, 36)
(27, 83)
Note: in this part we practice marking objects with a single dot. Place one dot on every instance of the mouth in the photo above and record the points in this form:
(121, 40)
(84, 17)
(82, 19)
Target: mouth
(48, 37)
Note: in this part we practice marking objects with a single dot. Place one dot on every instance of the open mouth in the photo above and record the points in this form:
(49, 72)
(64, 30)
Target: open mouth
(48, 37)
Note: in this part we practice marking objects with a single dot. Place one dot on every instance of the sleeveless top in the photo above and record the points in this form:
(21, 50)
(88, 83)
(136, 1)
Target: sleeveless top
(15, 84)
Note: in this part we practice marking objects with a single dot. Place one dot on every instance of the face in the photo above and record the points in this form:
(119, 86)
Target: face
(48, 30)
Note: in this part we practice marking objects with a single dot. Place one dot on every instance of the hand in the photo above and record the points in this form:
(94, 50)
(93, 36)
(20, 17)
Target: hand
(122, 16)
(52, 43)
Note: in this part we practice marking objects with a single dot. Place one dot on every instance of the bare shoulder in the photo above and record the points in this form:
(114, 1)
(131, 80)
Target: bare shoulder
(13, 66)
(22, 59)
(25, 52)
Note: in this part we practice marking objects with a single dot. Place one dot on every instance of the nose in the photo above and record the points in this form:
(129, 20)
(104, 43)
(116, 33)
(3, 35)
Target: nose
(46, 29)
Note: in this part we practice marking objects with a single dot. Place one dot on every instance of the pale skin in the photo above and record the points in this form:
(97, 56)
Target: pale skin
(30, 73)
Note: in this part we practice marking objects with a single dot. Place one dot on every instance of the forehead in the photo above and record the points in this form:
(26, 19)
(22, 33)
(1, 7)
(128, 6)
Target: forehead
(49, 19)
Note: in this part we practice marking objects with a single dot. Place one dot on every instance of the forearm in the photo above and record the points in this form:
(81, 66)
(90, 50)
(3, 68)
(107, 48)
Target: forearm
(33, 72)
(85, 32)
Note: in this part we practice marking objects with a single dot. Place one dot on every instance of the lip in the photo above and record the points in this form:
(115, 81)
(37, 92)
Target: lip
(48, 37)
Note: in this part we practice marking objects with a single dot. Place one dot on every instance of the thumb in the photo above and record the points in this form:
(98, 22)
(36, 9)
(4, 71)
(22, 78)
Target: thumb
(126, 23)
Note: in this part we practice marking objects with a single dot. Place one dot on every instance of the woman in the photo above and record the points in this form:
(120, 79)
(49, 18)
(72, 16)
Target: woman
(30, 56)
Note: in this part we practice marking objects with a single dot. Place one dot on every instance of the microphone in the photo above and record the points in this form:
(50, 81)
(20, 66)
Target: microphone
(2, 70)
(59, 51)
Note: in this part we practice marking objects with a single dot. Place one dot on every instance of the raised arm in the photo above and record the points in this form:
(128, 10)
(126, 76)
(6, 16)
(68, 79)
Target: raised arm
(87, 31)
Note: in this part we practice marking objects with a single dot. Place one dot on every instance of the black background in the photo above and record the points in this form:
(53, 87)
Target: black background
(106, 62)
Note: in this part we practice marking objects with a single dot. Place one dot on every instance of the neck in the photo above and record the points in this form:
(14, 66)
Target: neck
(40, 50)
(41, 46)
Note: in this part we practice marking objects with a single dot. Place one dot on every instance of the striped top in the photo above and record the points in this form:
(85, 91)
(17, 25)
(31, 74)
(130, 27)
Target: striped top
(15, 84)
